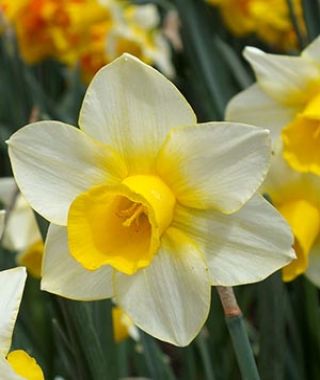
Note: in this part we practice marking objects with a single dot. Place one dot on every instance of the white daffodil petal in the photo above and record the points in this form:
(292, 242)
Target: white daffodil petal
(215, 165)
(63, 275)
(12, 283)
(312, 51)
(22, 229)
(7, 372)
(313, 271)
(21, 217)
(132, 107)
(170, 299)
(8, 188)
(2, 219)
(253, 106)
(284, 78)
(241, 248)
(54, 162)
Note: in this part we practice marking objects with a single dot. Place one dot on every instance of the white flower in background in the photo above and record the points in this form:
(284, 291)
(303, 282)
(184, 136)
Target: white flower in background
(148, 207)
(137, 27)
(21, 232)
(2, 219)
(286, 100)
(296, 196)
(15, 365)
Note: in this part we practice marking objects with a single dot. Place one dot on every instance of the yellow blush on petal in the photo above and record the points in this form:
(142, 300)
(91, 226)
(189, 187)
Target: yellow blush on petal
(120, 225)
(25, 365)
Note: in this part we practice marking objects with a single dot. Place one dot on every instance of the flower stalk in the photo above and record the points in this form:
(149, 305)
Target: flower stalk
(239, 336)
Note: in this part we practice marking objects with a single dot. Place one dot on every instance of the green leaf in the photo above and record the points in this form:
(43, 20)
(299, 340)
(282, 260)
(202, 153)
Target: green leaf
(311, 11)
(89, 327)
(157, 363)
(272, 307)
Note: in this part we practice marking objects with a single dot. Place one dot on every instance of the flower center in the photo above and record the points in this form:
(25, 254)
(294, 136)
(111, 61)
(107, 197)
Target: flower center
(132, 214)
(120, 225)
(301, 139)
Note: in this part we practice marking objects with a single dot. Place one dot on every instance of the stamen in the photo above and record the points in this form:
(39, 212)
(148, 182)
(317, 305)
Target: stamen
(128, 211)
(132, 214)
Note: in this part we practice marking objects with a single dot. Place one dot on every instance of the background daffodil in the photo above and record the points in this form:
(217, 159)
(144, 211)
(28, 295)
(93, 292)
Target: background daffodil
(16, 365)
(123, 326)
(146, 205)
(22, 232)
(296, 196)
(90, 33)
(286, 100)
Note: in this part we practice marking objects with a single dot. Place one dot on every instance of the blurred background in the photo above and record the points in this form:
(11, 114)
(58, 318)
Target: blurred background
(49, 52)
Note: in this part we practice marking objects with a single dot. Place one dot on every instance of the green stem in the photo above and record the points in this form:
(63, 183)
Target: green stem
(239, 336)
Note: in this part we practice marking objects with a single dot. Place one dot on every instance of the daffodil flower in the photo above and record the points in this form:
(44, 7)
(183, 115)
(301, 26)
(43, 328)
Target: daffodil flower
(134, 29)
(286, 100)
(146, 205)
(53, 28)
(296, 196)
(16, 365)
(22, 232)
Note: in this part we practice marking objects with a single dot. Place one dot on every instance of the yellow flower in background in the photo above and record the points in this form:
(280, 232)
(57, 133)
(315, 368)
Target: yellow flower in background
(296, 196)
(286, 100)
(22, 232)
(53, 28)
(31, 258)
(123, 327)
(91, 32)
(269, 20)
(16, 365)
(147, 206)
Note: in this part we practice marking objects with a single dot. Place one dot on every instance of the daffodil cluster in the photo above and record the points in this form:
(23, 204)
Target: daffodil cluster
(147, 206)
(89, 32)
(286, 100)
